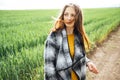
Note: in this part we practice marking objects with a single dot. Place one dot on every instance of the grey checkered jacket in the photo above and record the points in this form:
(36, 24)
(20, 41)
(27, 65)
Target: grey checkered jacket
(58, 62)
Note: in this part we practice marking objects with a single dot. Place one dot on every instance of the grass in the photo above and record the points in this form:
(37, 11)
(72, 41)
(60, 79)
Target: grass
(23, 32)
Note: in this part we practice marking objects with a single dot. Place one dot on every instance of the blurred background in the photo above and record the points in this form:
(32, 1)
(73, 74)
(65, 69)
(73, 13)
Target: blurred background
(25, 24)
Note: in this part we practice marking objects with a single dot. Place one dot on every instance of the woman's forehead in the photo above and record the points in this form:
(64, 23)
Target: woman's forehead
(70, 10)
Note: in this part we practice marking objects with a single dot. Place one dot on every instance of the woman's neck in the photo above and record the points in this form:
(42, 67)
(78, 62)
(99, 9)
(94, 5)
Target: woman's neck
(69, 30)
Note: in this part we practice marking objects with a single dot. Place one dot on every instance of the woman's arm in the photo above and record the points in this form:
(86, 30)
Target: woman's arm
(91, 66)
(49, 56)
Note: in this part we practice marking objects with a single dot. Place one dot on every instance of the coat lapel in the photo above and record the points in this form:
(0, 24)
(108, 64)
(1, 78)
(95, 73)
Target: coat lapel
(66, 48)
(65, 56)
(78, 52)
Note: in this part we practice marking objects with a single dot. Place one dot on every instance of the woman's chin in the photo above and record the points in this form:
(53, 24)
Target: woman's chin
(69, 25)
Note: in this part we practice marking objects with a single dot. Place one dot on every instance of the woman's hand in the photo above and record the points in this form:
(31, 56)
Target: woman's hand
(92, 67)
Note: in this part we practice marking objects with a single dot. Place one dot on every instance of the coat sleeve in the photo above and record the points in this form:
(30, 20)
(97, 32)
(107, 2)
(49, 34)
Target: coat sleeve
(50, 60)
(87, 60)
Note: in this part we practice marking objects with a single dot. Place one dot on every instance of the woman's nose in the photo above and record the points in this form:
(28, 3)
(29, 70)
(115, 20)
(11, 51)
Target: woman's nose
(69, 17)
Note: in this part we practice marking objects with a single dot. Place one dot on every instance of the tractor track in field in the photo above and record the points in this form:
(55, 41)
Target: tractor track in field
(106, 57)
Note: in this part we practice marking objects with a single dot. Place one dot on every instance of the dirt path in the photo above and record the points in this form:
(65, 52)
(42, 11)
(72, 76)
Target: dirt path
(107, 59)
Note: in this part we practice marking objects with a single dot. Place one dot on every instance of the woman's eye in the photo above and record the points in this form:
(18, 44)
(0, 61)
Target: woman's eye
(65, 14)
(72, 15)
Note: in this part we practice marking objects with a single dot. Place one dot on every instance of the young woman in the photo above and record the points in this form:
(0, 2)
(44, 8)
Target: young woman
(64, 51)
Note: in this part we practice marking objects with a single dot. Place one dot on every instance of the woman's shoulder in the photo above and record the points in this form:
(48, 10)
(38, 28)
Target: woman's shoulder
(54, 35)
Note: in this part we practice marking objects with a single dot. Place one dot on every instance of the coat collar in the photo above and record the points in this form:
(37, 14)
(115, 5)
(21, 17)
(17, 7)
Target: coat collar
(78, 48)
(66, 48)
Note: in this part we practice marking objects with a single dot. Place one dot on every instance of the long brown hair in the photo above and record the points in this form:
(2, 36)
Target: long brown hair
(59, 23)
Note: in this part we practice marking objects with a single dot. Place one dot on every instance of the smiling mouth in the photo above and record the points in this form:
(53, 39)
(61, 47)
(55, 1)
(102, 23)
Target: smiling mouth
(68, 22)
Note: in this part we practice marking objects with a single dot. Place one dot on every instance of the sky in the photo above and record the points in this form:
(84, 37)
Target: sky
(55, 4)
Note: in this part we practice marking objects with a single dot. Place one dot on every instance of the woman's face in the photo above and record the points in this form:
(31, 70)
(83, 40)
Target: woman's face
(69, 17)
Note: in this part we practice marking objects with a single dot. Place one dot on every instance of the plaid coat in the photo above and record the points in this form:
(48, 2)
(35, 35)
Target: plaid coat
(58, 62)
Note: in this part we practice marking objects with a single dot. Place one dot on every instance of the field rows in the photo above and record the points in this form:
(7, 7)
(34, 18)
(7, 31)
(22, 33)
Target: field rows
(22, 36)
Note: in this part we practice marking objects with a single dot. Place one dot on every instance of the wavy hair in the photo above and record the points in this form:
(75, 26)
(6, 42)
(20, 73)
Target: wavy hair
(78, 25)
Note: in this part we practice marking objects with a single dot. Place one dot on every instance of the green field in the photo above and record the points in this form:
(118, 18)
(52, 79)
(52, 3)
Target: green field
(23, 32)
